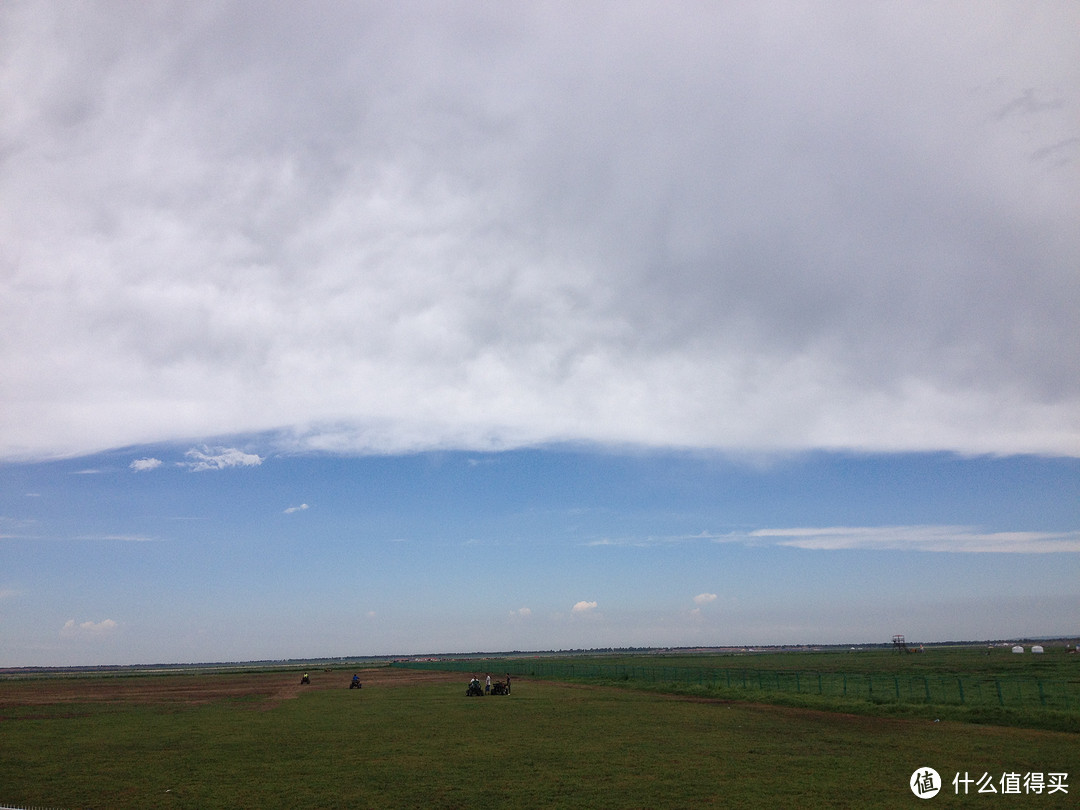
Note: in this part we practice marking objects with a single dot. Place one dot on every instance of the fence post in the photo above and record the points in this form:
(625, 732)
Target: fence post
(960, 686)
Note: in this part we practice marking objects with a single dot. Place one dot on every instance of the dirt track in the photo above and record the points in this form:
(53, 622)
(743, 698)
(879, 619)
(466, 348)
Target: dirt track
(194, 689)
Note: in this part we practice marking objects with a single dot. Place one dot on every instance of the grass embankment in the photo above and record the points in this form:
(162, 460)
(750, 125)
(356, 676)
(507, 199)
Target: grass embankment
(546, 745)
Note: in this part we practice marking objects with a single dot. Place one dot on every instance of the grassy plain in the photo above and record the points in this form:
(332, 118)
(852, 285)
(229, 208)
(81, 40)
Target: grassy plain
(966, 659)
(411, 739)
(971, 683)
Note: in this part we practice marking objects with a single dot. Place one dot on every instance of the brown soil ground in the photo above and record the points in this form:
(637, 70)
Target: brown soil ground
(194, 689)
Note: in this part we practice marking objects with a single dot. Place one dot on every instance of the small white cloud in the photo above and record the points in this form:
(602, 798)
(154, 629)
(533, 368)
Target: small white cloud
(953, 539)
(11, 529)
(122, 538)
(87, 629)
(144, 464)
(704, 598)
(299, 508)
(520, 613)
(583, 607)
(219, 458)
(8, 593)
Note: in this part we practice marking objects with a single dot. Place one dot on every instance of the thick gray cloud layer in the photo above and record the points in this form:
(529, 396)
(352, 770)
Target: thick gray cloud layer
(411, 225)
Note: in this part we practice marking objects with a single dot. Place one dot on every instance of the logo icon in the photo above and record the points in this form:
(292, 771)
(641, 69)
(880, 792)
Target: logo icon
(925, 783)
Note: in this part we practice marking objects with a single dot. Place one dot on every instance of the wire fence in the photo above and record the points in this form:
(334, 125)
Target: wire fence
(877, 687)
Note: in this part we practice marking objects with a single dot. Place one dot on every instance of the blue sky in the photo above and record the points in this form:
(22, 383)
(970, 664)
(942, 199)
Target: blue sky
(334, 329)
(298, 556)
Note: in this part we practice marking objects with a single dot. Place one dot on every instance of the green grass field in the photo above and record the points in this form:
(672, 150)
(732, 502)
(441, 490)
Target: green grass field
(969, 683)
(404, 743)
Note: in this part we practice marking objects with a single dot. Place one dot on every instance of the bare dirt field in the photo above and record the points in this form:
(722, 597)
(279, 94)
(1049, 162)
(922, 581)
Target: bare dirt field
(193, 689)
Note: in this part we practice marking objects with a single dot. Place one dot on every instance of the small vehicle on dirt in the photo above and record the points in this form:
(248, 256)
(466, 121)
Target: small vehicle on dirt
(499, 688)
(475, 689)
(355, 682)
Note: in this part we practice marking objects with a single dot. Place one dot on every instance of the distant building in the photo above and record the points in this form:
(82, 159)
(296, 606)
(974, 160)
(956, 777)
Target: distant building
(1037, 648)
(1018, 649)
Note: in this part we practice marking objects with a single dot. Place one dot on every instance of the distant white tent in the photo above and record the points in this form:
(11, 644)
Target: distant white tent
(1037, 648)
(1018, 649)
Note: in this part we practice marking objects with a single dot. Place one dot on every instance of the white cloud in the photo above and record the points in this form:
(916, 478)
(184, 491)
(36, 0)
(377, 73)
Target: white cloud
(123, 538)
(87, 629)
(921, 538)
(880, 264)
(143, 464)
(12, 528)
(583, 607)
(299, 508)
(704, 598)
(521, 613)
(219, 458)
(955, 539)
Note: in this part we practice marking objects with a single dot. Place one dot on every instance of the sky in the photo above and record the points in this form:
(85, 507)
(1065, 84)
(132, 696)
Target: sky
(418, 327)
